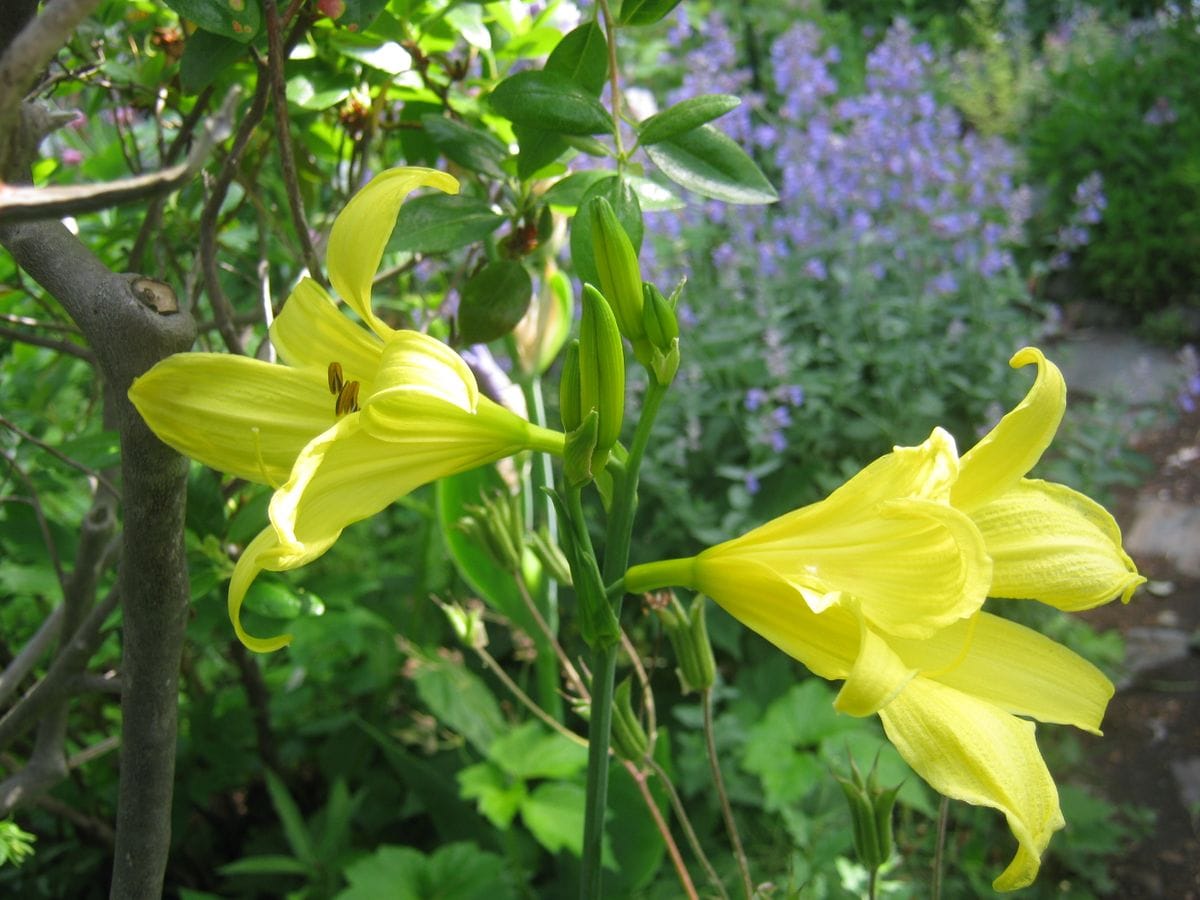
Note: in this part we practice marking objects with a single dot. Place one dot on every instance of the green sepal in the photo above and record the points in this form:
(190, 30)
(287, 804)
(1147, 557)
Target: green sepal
(629, 739)
(688, 634)
(580, 449)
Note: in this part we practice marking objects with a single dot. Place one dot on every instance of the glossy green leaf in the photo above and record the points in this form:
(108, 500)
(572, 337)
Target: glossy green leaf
(551, 102)
(467, 21)
(686, 115)
(435, 223)
(567, 193)
(653, 196)
(582, 56)
(471, 147)
(625, 204)
(711, 164)
(493, 301)
(358, 15)
(205, 57)
(539, 148)
(645, 12)
(237, 19)
(319, 94)
(386, 56)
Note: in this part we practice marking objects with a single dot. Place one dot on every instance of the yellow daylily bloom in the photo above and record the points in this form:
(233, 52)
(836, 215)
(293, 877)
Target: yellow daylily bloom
(842, 586)
(1047, 541)
(352, 421)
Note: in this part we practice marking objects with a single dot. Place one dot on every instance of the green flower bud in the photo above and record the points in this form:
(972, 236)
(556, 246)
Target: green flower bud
(628, 737)
(658, 316)
(870, 815)
(497, 527)
(688, 634)
(616, 261)
(467, 622)
(601, 370)
(550, 555)
(568, 390)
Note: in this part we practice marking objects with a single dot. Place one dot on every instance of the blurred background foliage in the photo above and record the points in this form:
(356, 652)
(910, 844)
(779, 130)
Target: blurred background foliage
(953, 181)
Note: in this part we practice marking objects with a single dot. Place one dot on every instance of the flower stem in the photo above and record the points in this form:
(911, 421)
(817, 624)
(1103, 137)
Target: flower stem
(719, 782)
(610, 33)
(525, 700)
(940, 848)
(685, 879)
(604, 658)
(688, 831)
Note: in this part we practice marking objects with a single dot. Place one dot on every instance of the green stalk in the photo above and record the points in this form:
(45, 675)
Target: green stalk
(604, 659)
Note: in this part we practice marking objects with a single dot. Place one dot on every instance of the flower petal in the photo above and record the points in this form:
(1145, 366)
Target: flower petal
(362, 229)
(970, 750)
(877, 677)
(259, 554)
(1013, 667)
(1053, 544)
(243, 416)
(749, 591)
(312, 331)
(1017, 442)
(415, 363)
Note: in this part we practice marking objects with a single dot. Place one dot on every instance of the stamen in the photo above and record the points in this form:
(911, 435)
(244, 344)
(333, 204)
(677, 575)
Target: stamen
(262, 466)
(962, 654)
(347, 401)
(336, 381)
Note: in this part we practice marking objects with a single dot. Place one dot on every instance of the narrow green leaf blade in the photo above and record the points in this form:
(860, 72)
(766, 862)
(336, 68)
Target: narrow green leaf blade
(550, 102)
(711, 164)
(686, 115)
(294, 828)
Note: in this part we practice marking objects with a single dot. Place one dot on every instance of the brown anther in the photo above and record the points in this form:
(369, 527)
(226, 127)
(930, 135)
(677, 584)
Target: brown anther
(347, 400)
(335, 378)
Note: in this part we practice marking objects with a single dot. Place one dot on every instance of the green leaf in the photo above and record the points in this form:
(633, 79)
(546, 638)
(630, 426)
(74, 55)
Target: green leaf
(206, 56)
(484, 576)
(582, 56)
(460, 871)
(568, 193)
(359, 15)
(539, 148)
(264, 865)
(29, 580)
(393, 872)
(459, 699)
(470, 147)
(652, 196)
(530, 751)
(294, 828)
(310, 95)
(493, 301)
(711, 164)
(467, 20)
(550, 102)
(498, 796)
(686, 115)
(435, 223)
(553, 813)
(645, 12)
(237, 19)
(386, 56)
(620, 194)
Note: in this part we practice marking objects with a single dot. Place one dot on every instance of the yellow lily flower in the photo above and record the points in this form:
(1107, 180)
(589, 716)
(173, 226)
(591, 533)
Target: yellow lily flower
(881, 584)
(352, 421)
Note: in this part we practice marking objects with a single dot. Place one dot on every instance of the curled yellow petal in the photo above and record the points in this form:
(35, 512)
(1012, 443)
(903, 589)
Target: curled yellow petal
(1052, 544)
(249, 564)
(415, 363)
(361, 231)
(243, 416)
(970, 750)
(1007, 452)
(878, 675)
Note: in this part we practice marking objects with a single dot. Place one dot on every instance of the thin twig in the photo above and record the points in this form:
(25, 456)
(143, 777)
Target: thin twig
(61, 327)
(685, 823)
(100, 748)
(70, 348)
(25, 204)
(23, 663)
(610, 33)
(719, 782)
(544, 627)
(527, 701)
(685, 878)
(275, 57)
(647, 694)
(59, 455)
(97, 827)
(939, 850)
